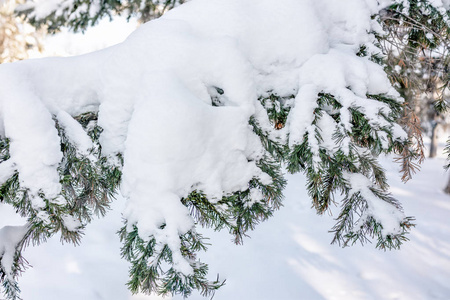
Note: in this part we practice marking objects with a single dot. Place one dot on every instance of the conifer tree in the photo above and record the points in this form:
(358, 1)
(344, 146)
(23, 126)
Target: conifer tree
(416, 45)
(417, 49)
(195, 128)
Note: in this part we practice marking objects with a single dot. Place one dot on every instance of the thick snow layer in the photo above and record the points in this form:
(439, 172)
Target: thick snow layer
(10, 237)
(288, 257)
(153, 97)
(75, 132)
(391, 218)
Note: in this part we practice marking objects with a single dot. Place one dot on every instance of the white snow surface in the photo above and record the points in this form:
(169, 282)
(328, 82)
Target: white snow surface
(10, 237)
(152, 93)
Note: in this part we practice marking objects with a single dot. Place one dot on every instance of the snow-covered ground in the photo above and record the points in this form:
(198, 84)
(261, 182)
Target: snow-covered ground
(288, 257)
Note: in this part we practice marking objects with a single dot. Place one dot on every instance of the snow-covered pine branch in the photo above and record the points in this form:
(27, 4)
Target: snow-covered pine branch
(193, 116)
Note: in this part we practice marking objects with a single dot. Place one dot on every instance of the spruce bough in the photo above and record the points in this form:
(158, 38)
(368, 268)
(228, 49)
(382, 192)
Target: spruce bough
(119, 120)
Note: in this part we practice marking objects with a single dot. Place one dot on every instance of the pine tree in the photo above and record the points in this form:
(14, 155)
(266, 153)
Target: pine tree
(118, 117)
(417, 48)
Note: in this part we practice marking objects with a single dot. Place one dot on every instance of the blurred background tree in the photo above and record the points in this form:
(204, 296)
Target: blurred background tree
(416, 46)
(78, 15)
(18, 39)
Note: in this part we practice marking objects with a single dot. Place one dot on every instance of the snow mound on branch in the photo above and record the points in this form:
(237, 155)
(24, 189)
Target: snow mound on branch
(10, 237)
(153, 96)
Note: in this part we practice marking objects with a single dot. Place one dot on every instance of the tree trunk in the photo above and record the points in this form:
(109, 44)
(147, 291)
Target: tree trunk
(447, 188)
(434, 141)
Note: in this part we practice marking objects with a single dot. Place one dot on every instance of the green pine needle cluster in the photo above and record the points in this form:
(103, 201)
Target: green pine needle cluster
(88, 185)
(326, 172)
(149, 259)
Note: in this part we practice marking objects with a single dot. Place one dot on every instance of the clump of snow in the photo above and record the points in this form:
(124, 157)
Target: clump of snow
(34, 145)
(71, 223)
(10, 236)
(154, 101)
(441, 5)
(6, 171)
(383, 212)
(75, 133)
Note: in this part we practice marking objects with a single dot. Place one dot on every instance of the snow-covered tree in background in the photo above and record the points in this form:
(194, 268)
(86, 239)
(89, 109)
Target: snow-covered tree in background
(193, 117)
(80, 14)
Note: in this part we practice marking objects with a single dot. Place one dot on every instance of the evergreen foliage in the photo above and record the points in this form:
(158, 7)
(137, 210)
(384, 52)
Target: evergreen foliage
(236, 213)
(330, 173)
(417, 50)
(346, 173)
(88, 186)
